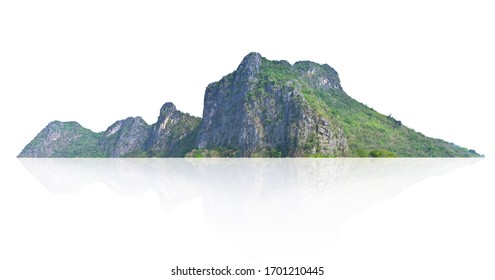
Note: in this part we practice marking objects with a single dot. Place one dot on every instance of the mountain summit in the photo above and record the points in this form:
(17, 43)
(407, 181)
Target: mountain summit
(173, 135)
(262, 109)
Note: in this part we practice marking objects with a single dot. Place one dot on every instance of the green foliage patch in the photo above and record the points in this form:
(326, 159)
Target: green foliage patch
(369, 133)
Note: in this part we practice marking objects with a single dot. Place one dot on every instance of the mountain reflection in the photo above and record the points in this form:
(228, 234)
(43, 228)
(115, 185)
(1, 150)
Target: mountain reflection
(245, 193)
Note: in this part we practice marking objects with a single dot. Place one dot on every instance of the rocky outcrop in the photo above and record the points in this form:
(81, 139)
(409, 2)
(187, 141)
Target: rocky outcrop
(63, 139)
(174, 134)
(125, 137)
(262, 109)
(257, 115)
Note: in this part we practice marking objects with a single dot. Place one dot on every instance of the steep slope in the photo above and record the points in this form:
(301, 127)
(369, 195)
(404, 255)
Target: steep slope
(262, 109)
(64, 139)
(125, 137)
(273, 108)
(254, 115)
(174, 134)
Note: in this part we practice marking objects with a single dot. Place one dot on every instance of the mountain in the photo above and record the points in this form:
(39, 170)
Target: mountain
(262, 109)
(273, 108)
(173, 135)
(125, 137)
(64, 139)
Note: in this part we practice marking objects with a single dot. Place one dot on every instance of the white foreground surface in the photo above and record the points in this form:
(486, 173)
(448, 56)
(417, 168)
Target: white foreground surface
(138, 219)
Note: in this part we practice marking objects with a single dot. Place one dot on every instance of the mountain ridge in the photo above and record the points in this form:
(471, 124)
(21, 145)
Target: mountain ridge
(262, 109)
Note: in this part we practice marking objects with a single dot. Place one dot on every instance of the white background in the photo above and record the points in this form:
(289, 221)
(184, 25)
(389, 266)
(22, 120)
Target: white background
(383, 219)
(428, 63)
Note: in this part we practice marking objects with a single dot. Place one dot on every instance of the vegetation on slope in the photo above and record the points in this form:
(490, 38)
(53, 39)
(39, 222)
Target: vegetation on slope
(314, 90)
(369, 133)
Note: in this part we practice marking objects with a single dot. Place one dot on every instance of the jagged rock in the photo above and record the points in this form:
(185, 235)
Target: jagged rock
(252, 113)
(262, 109)
(125, 137)
(273, 108)
(174, 134)
(63, 139)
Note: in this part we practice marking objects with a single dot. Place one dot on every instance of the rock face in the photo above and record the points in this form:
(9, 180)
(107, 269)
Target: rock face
(253, 113)
(262, 109)
(125, 137)
(62, 139)
(174, 134)
(274, 108)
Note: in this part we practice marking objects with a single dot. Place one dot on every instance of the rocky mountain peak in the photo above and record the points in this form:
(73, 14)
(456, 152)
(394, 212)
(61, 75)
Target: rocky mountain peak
(124, 137)
(167, 109)
(61, 139)
(262, 112)
(173, 134)
(250, 65)
(319, 76)
(264, 108)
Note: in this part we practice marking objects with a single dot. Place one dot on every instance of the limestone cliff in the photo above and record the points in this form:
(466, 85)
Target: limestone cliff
(254, 114)
(263, 109)
(63, 139)
(174, 134)
(125, 137)
(274, 108)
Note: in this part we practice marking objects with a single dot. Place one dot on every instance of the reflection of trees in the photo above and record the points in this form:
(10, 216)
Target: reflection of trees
(249, 192)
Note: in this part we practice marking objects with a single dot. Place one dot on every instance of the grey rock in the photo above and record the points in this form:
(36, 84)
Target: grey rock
(174, 134)
(125, 137)
(262, 109)
(246, 112)
(63, 139)
(319, 76)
